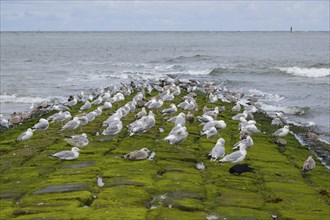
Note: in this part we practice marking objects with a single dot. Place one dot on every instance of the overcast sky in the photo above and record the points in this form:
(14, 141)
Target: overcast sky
(164, 15)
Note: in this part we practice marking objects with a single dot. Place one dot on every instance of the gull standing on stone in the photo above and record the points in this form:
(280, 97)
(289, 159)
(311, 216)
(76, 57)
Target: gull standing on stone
(218, 151)
(138, 154)
(190, 117)
(210, 133)
(236, 108)
(80, 140)
(114, 127)
(238, 116)
(142, 113)
(60, 116)
(67, 154)
(168, 96)
(156, 105)
(236, 156)
(71, 125)
(181, 119)
(25, 136)
(247, 143)
(41, 125)
(183, 104)
(173, 109)
(97, 101)
(106, 106)
(4, 122)
(177, 137)
(309, 164)
(85, 106)
(219, 125)
(282, 132)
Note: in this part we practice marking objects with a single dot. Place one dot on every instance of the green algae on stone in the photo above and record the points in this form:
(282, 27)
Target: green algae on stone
(168, 187)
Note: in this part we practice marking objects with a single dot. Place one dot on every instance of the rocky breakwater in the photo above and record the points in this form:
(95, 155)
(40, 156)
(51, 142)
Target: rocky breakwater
(129, 153)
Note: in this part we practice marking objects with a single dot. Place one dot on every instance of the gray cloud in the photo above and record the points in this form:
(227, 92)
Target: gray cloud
(164, 15)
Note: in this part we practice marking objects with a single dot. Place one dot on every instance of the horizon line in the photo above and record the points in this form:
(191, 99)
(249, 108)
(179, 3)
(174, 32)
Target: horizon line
(164, 31)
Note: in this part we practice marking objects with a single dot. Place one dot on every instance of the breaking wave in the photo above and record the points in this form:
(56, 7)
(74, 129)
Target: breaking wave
(290, 110)
(266, 96)
(306, 72)
(20, 99)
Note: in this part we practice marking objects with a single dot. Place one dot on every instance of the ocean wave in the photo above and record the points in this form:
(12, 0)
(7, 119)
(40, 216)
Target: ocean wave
(266, 96)
(20, 99)
(198, 72)
(217, 71)
(320, 65)
(290, 110)
(306, 72)
(197, 57)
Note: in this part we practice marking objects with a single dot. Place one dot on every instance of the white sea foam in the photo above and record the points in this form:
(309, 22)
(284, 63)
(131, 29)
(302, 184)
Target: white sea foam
(198, 72)
(20, 99)
(266, 96)
(291, 110)
(306, 72)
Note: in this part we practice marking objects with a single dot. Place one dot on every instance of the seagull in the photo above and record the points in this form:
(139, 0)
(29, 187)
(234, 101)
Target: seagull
(282, 132)
(181, 119)
(86, 106)
(190, 117)
(276, 122)
(4, 122)
(80, 140)
(41, 125)
(250, 129)
(72, 102)
(175, 129)
(142, 113)
(61, 107)
(213, 98)
(309, 164)
(106, 105)
(97, 101)
(60, 116)
(25, 136)
(177, 137)
(150, 120)
(114, 127)
(91, 116)
(205, 118)
(236, 108)
(238, 116)
(236, 156)
(168, 96)
(217, 124)
(138, 154)
(157, 104)
(218, 151)
(137, 127)
(213, 113)
(72, 154)
(83, 119)
(173, 109)
(247, 143)
(210, 133)
(192, 105)
(183, 104)
(98, 111)
(71, 125)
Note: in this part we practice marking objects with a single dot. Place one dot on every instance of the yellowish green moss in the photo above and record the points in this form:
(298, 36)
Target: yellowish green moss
(168, 187)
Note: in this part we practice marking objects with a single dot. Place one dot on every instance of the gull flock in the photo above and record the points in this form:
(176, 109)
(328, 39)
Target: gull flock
(144, 111)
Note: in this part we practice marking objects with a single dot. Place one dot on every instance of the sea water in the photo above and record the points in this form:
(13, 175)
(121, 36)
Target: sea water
(289, 72)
